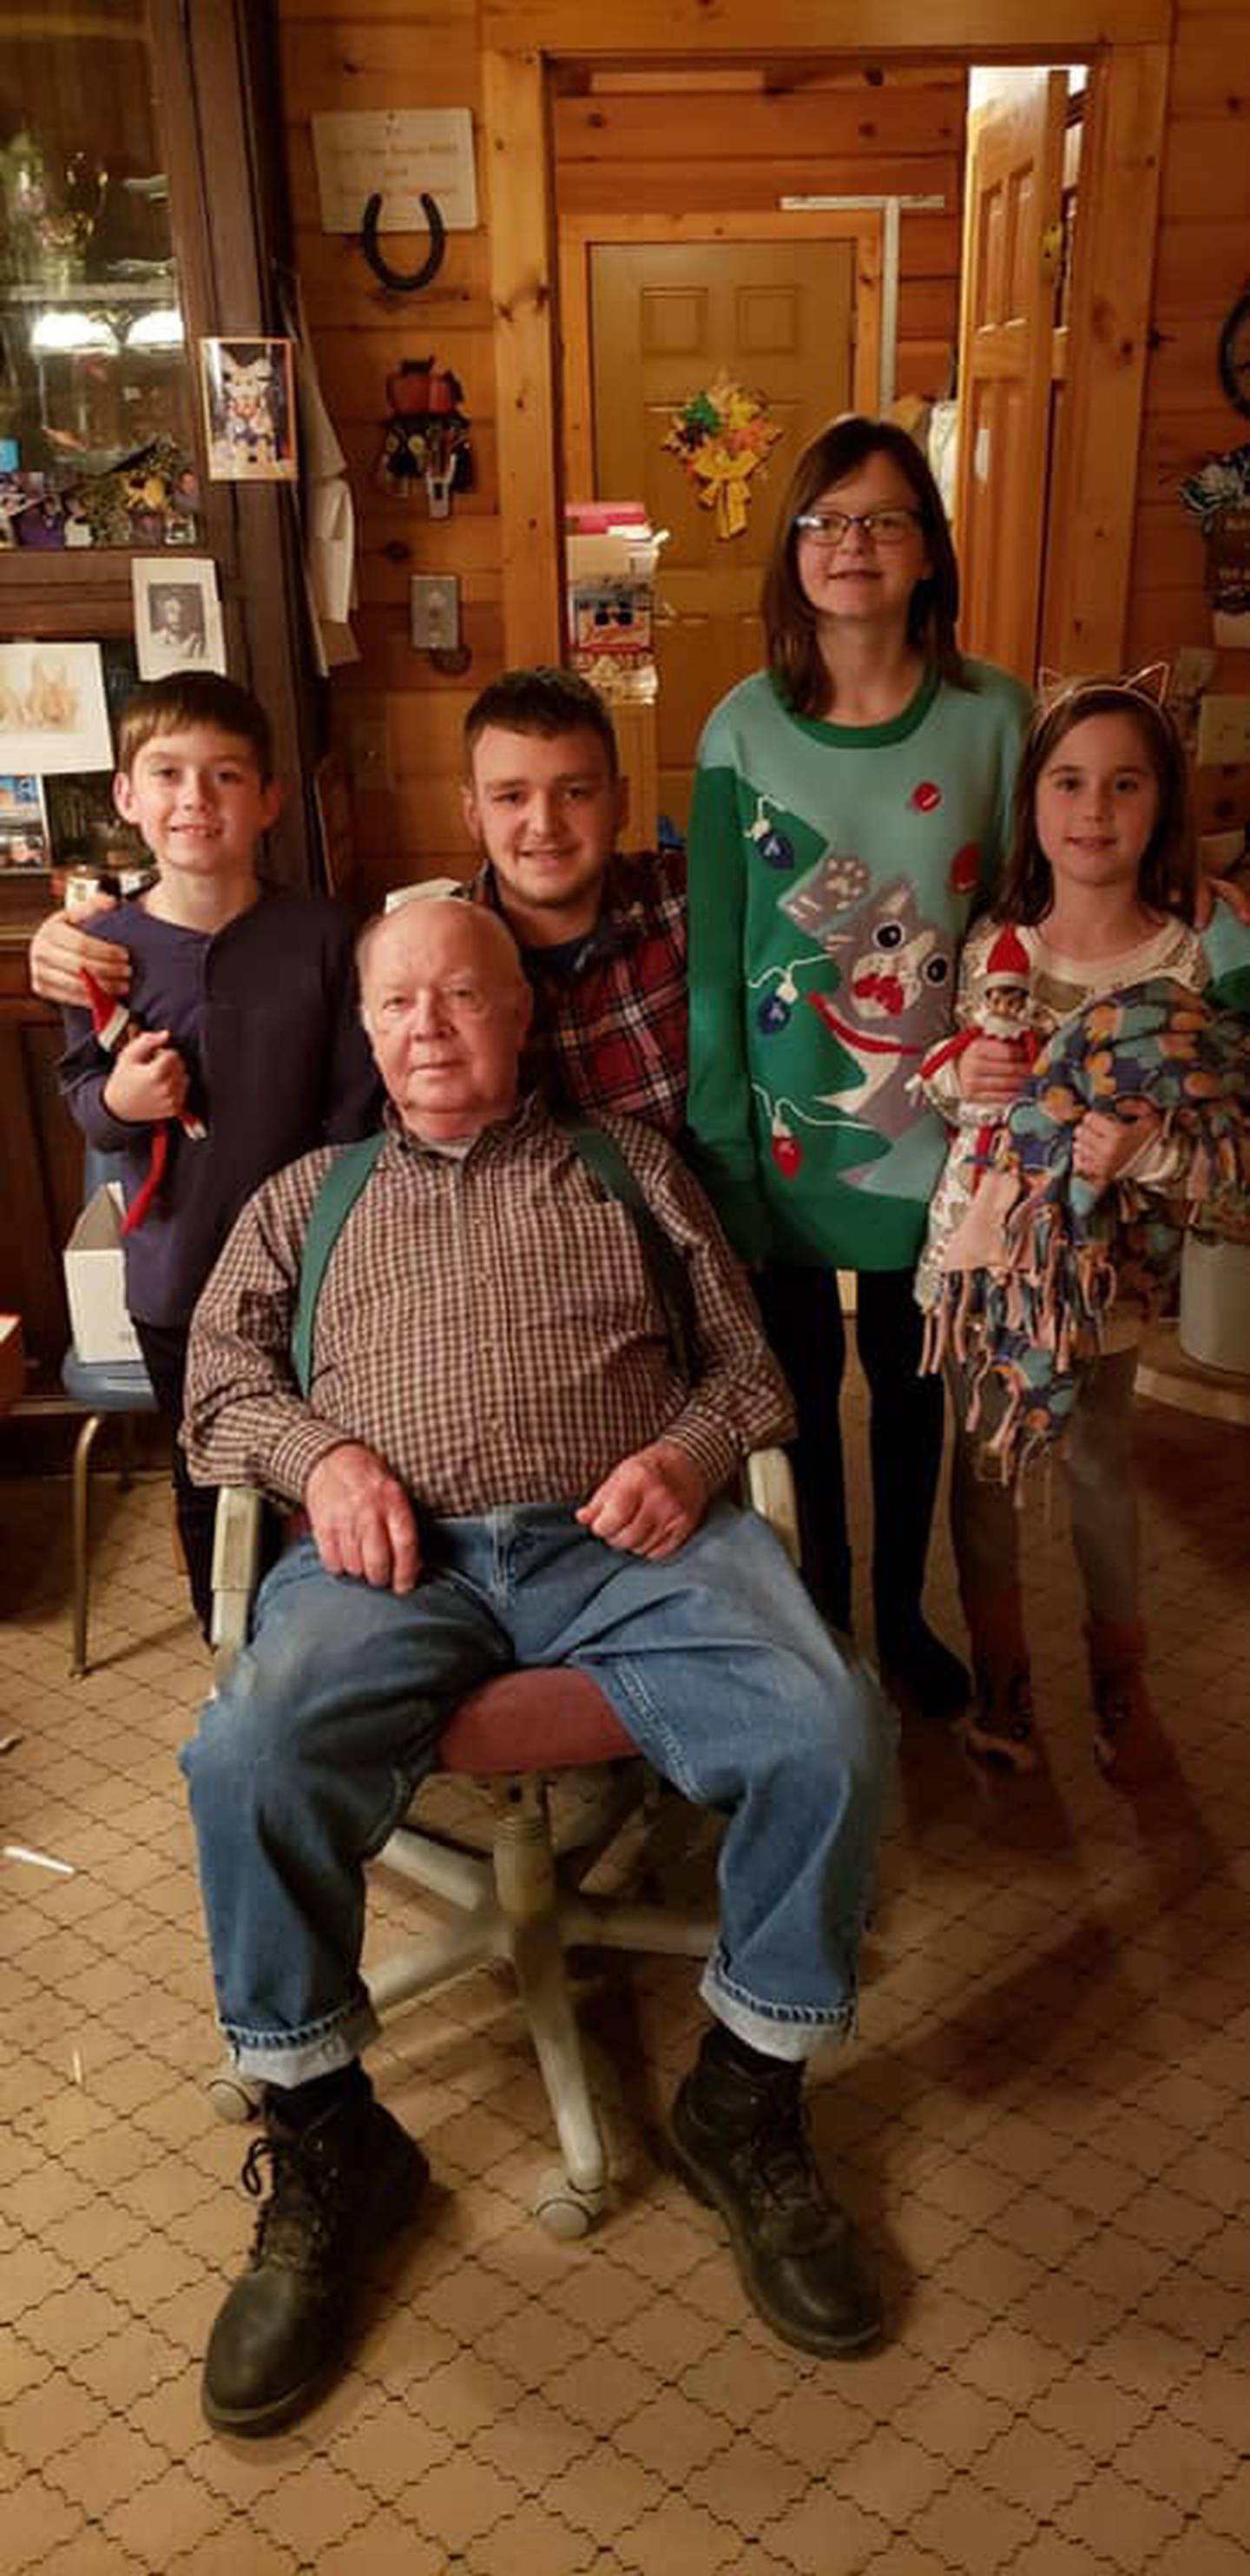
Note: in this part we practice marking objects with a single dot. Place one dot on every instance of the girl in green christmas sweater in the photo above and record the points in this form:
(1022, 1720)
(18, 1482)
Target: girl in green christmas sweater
(852, 802)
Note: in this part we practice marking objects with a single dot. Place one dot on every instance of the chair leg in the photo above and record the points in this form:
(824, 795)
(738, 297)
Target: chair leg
(542, 1981)
(80, 1520)
(528, 1893)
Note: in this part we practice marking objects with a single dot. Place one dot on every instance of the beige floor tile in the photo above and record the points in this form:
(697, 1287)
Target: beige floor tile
(239, 2546)
(382, 2549)
(827, 2533)
(532, 2443)
(1199, 2552)
(893, 2477)
(93, 2552)
(676, 2539)
(973, 2528)
(1228, 2511)
(1049, 2554)
(533, 2538)
(1122, 2522)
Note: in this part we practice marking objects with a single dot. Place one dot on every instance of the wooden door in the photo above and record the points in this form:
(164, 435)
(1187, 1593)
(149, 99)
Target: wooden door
(666, 319)
(1014, 173)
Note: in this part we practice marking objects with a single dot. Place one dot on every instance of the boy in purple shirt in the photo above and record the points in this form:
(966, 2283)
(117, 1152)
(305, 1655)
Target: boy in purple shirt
(245, 1001)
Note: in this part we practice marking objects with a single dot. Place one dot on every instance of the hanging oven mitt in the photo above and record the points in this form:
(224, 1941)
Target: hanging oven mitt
(113, 1023)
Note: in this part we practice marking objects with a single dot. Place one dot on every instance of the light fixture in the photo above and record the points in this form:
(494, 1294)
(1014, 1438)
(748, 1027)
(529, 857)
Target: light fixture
(161, 329)
(66, 334)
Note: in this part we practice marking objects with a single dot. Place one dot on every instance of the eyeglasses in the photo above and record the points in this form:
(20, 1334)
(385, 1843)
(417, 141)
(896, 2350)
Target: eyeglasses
(828, 528)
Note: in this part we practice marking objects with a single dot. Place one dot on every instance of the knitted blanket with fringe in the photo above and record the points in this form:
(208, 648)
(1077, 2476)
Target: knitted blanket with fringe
(1040, 1255)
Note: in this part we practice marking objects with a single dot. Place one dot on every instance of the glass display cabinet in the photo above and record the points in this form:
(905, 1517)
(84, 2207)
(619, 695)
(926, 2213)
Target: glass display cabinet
(102, 248)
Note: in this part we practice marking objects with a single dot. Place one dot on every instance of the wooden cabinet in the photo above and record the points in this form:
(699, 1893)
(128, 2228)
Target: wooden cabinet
(142, 207)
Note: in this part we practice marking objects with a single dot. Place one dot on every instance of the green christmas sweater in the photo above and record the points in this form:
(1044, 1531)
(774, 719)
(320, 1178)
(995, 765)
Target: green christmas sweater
(833, 869)
(1226, 942)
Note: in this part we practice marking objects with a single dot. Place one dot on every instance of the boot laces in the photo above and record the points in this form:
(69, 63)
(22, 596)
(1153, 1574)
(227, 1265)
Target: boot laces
(784, 2160)
(298, 2223)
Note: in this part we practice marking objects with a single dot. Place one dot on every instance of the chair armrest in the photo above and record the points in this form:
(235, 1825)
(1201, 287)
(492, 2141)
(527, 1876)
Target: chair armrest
(769, 1486)
(236, 1566)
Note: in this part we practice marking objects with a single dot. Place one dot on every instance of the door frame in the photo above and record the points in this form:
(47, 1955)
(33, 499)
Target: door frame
(1127, 44)
(580, 234)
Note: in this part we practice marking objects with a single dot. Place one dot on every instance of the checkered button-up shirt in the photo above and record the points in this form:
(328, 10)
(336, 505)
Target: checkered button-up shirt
(487, 1326)
(609, 1031)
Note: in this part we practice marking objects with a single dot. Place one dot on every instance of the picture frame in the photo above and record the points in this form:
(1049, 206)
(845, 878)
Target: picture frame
(248, 389)
(53, 710)
(25, 845)
(178, 625)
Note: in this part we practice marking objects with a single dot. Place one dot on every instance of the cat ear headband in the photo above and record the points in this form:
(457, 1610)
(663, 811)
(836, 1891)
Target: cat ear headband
(1151, 682)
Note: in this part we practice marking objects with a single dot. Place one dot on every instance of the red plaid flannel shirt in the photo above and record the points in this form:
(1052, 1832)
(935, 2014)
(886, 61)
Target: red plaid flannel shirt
(609, 1033)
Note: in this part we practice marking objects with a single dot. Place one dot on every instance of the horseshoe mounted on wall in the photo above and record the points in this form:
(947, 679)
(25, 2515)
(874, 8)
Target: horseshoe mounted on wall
(394, 277)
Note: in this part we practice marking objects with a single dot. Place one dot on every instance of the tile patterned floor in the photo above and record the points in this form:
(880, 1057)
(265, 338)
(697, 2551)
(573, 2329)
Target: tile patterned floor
(1044, 2124)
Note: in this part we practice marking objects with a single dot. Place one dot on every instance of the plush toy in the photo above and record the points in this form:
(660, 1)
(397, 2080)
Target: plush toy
(427, 436)
(1006, 1012)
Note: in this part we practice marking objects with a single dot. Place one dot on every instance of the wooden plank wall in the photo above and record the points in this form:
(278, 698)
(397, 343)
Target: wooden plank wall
(630, 148)
(397, 720)
(668, 143)
(1202, 266)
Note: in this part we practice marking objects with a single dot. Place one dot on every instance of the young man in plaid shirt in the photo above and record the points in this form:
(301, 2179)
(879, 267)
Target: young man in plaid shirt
(603, 936)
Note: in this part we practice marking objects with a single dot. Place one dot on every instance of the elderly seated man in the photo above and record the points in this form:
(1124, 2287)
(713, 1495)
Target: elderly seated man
(503, 1463)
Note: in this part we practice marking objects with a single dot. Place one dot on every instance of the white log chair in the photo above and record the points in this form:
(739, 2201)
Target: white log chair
(525, 1901)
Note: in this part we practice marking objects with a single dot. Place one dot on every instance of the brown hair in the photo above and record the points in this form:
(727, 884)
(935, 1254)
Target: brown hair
(543, 701)
(1168, 877)
(791, 623)
(189, 698)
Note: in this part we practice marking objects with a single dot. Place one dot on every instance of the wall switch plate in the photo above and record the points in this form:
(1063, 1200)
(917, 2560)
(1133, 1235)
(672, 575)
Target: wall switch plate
(434, 612)
(1223, 731)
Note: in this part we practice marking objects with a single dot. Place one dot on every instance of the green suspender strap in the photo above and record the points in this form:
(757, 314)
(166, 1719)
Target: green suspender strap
(337, 1196)
(669, 1276)
(351, 1168)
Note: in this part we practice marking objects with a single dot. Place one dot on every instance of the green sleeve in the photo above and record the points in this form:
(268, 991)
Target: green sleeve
(1015, 723)
(1231, 992)
(1226, 946)
(719, 1107)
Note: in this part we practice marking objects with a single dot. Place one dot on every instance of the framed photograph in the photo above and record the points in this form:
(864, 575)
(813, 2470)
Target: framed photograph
(177, 615)
(24, 839)
(53, 712)
(249, 410)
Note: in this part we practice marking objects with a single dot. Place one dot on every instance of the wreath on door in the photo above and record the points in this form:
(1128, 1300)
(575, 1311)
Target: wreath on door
(723, 436)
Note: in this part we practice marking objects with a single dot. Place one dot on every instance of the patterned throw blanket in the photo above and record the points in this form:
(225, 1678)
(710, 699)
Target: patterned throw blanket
(1040, 1256)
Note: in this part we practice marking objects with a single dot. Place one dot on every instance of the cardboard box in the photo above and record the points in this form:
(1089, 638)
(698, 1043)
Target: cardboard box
(95, 1281)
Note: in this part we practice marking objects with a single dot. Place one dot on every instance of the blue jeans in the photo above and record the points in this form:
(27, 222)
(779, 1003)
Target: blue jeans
(715, 1663)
